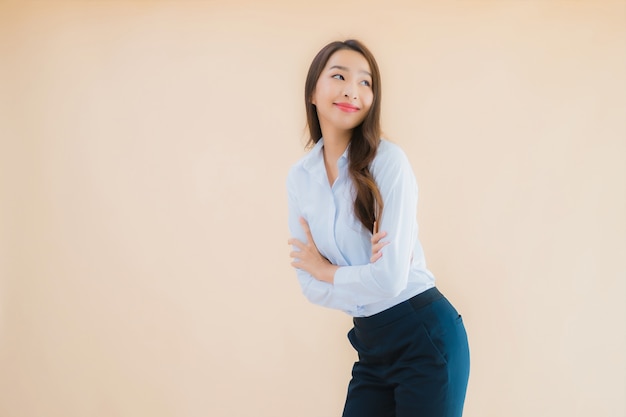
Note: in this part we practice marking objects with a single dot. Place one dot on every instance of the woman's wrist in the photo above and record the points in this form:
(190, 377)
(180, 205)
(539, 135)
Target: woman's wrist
(328, 274)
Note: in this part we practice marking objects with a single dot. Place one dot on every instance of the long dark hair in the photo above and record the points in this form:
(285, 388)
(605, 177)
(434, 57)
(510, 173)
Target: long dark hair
(368, 203)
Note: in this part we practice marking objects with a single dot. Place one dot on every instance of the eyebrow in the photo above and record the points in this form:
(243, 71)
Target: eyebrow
(340, 67)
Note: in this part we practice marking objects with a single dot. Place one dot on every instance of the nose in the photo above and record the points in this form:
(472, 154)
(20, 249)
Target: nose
(350, 92)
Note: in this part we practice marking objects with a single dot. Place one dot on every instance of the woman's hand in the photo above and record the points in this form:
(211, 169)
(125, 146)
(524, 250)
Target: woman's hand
(377, 245)
(309, 259)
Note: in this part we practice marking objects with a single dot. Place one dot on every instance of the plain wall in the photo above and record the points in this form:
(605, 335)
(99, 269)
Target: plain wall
(143, 239)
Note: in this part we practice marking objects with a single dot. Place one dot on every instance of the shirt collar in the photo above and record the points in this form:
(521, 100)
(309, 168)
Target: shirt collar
(314, 158)
(314, 161)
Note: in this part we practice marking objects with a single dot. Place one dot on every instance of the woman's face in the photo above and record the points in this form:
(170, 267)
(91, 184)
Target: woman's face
(343, 94)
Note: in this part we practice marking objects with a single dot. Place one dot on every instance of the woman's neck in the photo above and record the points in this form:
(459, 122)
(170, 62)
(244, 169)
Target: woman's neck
(335, 145)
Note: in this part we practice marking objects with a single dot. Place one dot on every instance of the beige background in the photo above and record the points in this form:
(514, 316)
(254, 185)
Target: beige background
(143, 154)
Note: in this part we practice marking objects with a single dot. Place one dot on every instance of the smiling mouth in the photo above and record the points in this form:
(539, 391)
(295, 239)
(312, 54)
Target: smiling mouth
(347, 107)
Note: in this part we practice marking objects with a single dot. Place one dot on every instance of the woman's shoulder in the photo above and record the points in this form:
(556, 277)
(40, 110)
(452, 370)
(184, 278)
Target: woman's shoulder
(296, 170)
(307, 165)
(309, 159)
(390, 163)
(389, 152)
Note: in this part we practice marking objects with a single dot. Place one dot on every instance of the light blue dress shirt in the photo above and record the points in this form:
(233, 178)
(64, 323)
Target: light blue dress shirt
(360, 288)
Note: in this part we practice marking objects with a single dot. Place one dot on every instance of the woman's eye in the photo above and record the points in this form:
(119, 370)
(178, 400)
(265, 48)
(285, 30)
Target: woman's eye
(366, 83)
(338, 77)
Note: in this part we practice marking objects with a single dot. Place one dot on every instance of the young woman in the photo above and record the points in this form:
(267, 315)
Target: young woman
(411, 342)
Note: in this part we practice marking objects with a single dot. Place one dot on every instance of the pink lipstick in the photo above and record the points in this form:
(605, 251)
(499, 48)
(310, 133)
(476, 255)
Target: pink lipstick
(347, 107)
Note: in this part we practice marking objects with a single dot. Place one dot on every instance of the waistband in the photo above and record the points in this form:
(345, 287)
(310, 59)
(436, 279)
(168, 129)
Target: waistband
(393, 313)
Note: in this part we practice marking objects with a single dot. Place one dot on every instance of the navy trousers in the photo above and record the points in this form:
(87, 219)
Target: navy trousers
(413, 361)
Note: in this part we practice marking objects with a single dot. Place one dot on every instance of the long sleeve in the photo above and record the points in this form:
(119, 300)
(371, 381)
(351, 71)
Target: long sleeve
(388, 276)
(360, 288)
(317, 292)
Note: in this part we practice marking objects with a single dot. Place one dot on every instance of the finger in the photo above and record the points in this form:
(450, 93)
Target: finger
(307, 229)
(377, 236)
(380, 245)
(376, 257)
(304, 224)
(297, 243)
(377, 247)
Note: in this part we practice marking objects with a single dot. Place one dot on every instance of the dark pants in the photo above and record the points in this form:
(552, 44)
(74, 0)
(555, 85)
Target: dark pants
(413, 361)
